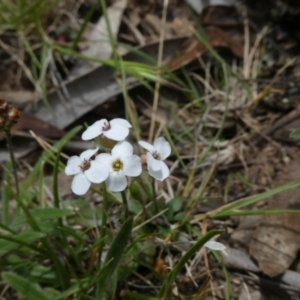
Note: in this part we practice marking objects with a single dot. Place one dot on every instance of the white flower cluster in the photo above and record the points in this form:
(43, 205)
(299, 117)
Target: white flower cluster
(113, 168)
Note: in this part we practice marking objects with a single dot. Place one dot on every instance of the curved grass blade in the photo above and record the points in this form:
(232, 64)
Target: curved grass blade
(25, 287)
(113, 257)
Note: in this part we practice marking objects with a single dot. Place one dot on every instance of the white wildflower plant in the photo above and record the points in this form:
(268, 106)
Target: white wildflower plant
(121, 163)
(116, 130)
(85, 171)
(158, 152)
(114, 168)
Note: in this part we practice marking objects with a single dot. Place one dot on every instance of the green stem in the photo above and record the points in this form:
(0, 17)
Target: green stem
(103, 223)
(102, 231)
(11, 152)
(156, 208)
(109, 30)
(125, 204)
(55, 185)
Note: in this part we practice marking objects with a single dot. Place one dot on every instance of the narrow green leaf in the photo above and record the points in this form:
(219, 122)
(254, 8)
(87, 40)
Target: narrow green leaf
(51, 213)
(114, 256)
(44, 214)
(251, 200)
(295, 134)
(25, 287)
(10, 242)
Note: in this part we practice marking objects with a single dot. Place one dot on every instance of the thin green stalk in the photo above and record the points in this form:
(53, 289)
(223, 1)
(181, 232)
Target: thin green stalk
(226, 275)
(103, 224)
(83, 26)
(125, 204)
(20, 242)
(12, 157)
(5, 195)
(156, 208)
(55, 186)
(102, 233)
(110, 34)
(3, 226)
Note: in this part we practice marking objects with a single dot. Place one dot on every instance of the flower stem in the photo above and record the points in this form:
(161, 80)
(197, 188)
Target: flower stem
(156, 209)
(102, 232)
(125, 204)
(103, 223)
(12, 158)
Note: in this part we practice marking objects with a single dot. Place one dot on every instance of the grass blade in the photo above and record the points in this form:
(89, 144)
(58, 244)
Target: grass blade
(25, 287)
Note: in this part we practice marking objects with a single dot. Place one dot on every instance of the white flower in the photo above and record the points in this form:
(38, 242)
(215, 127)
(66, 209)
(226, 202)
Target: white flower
(121, 163)
(157, 153)
(116, 129)
(86, 171)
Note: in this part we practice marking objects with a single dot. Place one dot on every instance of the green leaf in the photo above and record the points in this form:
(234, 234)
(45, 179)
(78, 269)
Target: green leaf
(10, 242)
(295, 134)
(25, 287)
(134, 206)
(174, 206)
(113, 257)
(51, 213)
(136, 192)
(44, 214)
(231, 207)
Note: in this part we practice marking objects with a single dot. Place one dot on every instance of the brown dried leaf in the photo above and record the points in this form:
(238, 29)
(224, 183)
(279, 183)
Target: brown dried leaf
(276, 240)
(193, 48)
(41, 128)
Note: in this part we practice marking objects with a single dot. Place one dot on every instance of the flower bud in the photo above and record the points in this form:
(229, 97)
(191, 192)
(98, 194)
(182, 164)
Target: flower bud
(106, 142)
(13, 114)
(9, 115)
(143, 159)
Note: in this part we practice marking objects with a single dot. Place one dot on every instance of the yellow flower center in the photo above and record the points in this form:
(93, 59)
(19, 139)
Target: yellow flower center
(117, 165)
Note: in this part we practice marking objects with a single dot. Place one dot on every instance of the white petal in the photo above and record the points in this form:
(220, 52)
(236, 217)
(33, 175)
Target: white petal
(162, 147)
(153, 163)
(122, 149)
(121, 122)
(72, 167)
(97, 172)
(132, 165)
(215, 246)
(80, 184)
(162, 174)
(116, 182)
(146, 146)
(91, 132)
(106, 159)
(87, 154)
(117, 133)
(101, 123)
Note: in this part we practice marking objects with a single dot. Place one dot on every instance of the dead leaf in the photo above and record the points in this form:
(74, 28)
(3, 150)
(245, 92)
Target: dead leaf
(276, 240)
(100, 45)
(39, 127)
(221, 16)
(193, 48)
(199, 5)
(237, 259)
